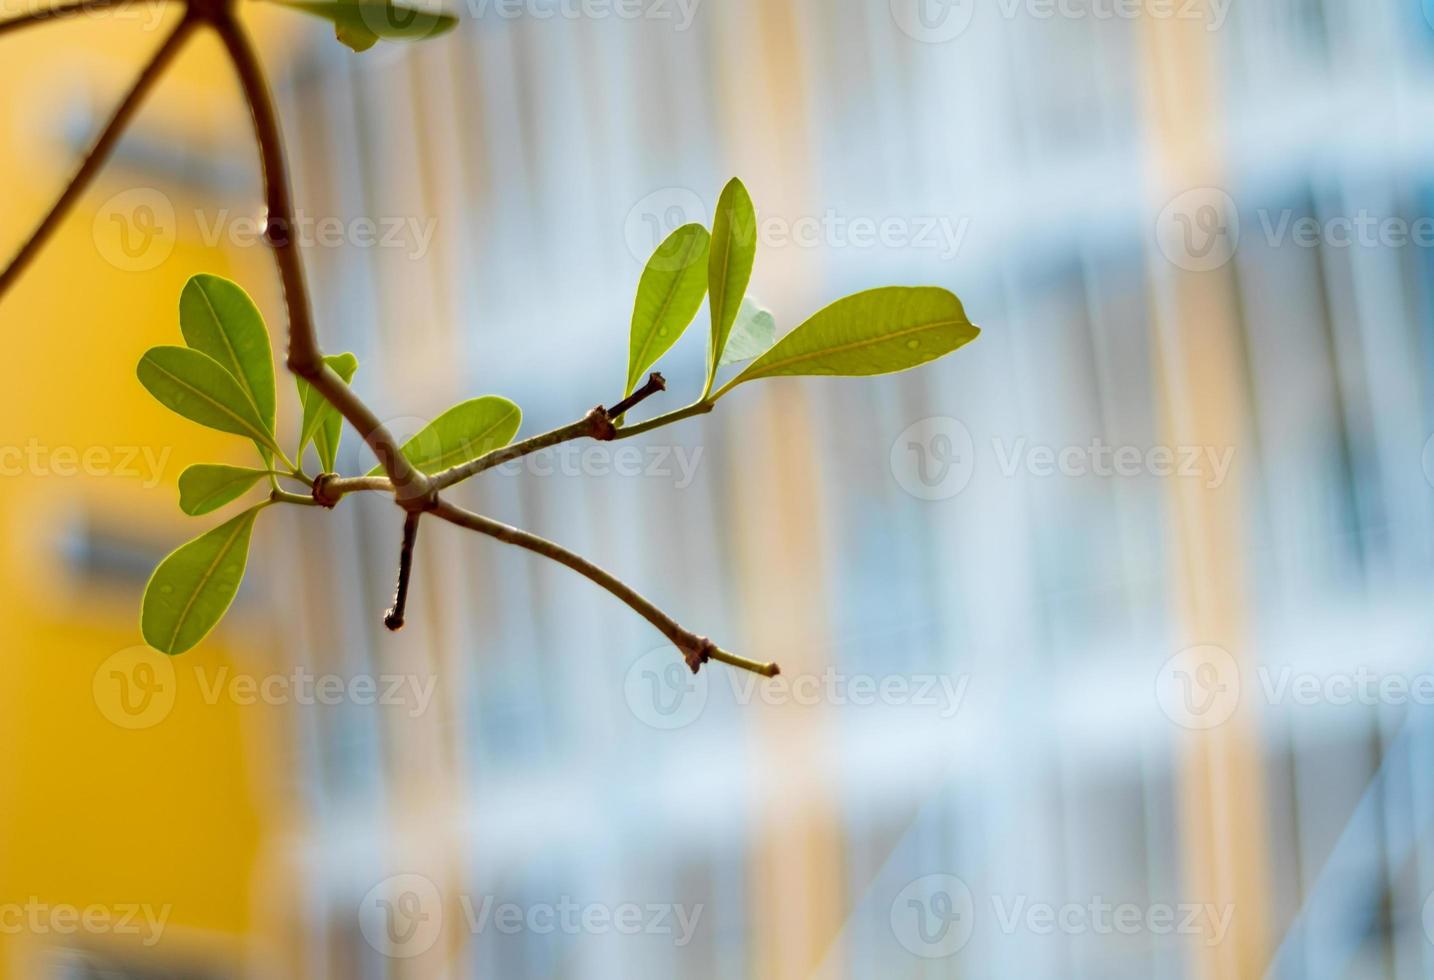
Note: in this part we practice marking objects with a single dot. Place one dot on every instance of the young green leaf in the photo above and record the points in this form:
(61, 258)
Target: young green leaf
(218, 318)
(206, 487)
(197, 387)
(464, 432)
(192, 589)
(729, 267)
(322, 422)
(753, 333)
(668, 297)
(875, 332)
(359, 24)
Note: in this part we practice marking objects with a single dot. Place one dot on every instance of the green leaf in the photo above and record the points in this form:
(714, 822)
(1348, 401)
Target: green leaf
(668, 297)
(462, 433)
(218, 318)
(753, 333)
(197, 387)
(206, 488)
(360, 24)
(322, 422)
(192, 589)
(729, 266)
(875, 332)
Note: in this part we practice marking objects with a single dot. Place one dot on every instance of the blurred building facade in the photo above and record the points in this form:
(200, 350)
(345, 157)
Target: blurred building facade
(1123, 574)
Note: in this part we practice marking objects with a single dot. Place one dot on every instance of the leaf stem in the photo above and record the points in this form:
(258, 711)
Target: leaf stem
(278, 496)
(695, 649)
(99, 152)
(701, 407)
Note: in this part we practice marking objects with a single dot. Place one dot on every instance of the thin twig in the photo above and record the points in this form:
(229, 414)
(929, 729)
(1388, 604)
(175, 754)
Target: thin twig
(695, 649)
(305, 357)
(393, 619)
(597, 424)
(99, 152)
(655, 383)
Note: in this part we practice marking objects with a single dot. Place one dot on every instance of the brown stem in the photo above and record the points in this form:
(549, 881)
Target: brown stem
(695, 649)
(597, 424)
(594, 425)
(655, 383)
(98, 153)
(393, 619)
(305, 358)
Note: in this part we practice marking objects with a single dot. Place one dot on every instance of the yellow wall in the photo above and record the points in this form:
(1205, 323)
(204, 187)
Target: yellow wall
(177, 813)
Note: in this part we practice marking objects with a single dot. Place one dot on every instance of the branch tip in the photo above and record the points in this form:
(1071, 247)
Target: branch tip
(393, 619)
(655, 383)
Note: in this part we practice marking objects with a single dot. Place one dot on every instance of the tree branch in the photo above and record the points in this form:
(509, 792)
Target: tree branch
(697, 650)
(99, 152)
(305, 359)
